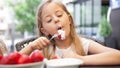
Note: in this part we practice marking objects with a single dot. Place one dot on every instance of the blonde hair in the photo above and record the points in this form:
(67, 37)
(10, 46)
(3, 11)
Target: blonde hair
(3, 47)
(75, 38)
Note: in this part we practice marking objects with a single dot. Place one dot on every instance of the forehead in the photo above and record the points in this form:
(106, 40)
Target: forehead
(50, 8)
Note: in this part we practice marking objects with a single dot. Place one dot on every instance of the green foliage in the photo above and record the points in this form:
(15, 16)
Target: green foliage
(105, 29)
(26, 14)
(104, 10)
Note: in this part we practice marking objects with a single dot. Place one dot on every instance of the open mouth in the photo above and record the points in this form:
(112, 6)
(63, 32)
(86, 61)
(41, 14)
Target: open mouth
(59, 28)
(60, 34)
(55, 35)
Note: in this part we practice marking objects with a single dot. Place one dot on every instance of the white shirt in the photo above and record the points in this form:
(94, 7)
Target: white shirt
(59, 52)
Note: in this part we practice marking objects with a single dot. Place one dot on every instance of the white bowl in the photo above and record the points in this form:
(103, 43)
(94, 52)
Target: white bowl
(64, 63)
(29, 65)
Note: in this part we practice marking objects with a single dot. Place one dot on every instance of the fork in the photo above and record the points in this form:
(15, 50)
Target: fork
(55, 35)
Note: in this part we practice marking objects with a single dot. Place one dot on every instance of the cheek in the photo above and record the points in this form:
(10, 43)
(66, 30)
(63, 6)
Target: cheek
(49, 28)
(66, 19)
(66, 23)
(67, 28)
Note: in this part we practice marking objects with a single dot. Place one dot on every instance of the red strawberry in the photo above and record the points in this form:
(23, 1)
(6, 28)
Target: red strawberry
(4, 60)
(24, 59)
(11, 58)
(1, 57)
(14, 57)
(36, 56)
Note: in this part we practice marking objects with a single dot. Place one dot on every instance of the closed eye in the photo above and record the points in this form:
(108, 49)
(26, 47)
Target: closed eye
(49, 20)
(59, 14)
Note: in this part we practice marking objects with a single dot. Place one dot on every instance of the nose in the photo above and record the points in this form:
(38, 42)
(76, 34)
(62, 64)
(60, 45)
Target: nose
(56, 19)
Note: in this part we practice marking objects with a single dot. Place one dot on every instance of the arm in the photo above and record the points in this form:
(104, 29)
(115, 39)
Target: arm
(107, 58)
(39, 43)
(101, 55)
(27, 49)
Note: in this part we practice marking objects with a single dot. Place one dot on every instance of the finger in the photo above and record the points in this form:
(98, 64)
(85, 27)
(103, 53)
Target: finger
(34, 45)
(39, 43)
(43, 43)
(46, 40)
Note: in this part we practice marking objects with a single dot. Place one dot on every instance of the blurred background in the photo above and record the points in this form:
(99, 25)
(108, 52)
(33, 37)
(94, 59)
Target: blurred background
(18, 20)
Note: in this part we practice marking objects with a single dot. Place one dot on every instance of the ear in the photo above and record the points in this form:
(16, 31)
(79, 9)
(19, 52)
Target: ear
(44, 31)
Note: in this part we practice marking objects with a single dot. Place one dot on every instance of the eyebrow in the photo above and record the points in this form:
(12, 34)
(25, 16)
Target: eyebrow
(58, 10)
(45, 16)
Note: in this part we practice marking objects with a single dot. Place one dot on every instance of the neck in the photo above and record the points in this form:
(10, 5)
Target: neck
(64, 43)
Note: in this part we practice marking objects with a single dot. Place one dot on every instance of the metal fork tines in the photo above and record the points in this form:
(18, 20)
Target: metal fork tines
(55, 35)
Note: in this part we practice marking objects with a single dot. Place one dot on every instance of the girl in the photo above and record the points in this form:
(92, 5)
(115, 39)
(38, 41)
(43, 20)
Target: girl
(53, 16)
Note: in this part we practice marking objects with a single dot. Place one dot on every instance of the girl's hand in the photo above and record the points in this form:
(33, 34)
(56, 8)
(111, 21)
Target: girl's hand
(40, 43)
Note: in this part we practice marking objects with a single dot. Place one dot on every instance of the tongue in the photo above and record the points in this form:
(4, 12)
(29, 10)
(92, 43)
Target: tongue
(59, 36)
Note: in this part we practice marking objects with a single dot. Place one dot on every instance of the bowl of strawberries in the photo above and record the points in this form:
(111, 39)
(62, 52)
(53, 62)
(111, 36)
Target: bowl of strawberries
(17, 60)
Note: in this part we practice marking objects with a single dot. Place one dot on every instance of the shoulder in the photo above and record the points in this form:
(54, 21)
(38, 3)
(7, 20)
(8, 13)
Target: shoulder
(85, 43)
(85, 40)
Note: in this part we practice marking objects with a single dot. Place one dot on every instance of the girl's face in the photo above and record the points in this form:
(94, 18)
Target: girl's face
(54, 18)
